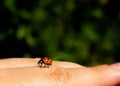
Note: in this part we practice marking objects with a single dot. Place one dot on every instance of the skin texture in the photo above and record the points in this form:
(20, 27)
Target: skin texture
(26, 72)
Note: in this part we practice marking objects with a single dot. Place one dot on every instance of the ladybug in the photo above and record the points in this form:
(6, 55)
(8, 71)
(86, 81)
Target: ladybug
(45, 62)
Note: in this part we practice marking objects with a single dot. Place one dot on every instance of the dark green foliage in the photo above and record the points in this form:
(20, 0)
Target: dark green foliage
(82, 31)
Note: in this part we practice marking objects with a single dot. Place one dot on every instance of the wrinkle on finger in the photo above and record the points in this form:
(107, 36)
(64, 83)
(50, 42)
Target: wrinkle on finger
(53, 76)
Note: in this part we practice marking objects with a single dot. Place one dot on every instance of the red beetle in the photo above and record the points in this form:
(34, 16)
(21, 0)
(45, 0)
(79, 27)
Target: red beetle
(45, 62)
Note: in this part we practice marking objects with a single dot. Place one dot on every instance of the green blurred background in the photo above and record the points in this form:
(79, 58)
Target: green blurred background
(82, 31)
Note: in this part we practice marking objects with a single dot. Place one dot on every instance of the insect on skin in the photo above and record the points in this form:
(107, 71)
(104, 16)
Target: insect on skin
(45, 62)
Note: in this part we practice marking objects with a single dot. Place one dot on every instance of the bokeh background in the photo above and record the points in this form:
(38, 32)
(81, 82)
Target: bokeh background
(82, 31)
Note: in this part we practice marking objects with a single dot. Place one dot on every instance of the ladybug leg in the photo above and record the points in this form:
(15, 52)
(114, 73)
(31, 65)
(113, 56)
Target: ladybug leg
(45, 65)
(48, 66)
(40, 63)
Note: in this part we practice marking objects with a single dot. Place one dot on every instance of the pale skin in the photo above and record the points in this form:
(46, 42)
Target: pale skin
(26, 72)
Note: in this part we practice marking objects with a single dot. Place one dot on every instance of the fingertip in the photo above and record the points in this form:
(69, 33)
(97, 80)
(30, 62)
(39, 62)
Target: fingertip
(110, 74)
(116, 66)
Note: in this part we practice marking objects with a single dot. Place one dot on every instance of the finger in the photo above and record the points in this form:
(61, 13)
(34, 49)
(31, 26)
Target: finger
(103, 75)
(29, 62)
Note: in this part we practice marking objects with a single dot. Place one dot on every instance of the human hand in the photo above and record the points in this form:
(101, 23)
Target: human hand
(26, 72)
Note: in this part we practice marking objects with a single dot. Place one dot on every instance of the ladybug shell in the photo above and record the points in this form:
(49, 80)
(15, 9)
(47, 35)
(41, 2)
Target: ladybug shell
(47, 60)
